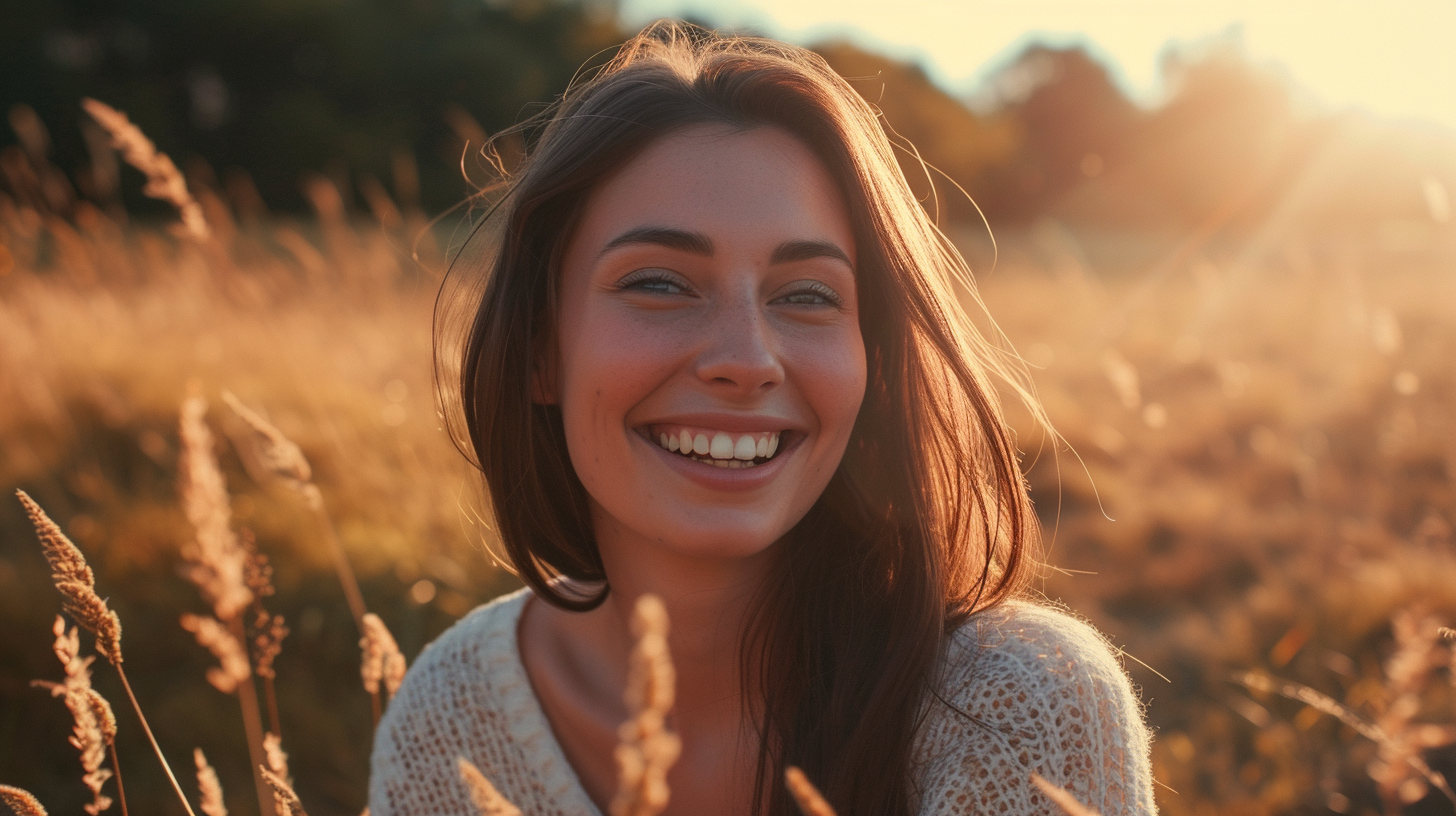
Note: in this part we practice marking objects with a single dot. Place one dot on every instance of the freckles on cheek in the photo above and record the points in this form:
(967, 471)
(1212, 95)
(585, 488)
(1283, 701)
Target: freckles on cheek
(835, 382)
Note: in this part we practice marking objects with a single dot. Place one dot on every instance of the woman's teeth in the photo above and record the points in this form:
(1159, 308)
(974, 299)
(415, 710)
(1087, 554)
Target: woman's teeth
(719, 448)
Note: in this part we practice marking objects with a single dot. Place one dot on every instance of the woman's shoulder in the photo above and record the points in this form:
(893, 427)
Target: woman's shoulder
(464, 696)
(484, 634)
(465, 663)
(1024, 659)
(1030, 638)
(1027, 687)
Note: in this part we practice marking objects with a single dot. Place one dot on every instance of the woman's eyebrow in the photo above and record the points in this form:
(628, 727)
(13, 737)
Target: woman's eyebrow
(805, 250)
(699, 244)
(694, 242)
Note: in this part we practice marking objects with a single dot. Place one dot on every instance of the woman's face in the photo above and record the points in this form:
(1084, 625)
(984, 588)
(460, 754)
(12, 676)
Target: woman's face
(709, 365)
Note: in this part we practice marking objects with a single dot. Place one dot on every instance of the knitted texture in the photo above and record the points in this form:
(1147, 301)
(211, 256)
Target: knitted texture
(1024, 688)
(1028, 688)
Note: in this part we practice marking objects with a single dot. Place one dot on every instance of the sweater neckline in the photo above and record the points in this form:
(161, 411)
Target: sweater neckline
(541, 750)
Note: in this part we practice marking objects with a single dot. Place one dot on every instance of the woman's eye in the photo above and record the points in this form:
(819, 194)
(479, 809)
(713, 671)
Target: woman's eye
(816, 294)
(653, 282)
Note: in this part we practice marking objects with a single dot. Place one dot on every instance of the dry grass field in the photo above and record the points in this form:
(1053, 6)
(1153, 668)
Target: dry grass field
(1254, 488)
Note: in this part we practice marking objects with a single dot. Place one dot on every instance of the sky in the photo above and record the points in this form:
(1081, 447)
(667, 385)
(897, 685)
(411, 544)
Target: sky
(1391, 57)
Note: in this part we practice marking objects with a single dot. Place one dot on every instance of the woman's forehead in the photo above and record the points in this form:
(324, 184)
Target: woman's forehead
(723, 181)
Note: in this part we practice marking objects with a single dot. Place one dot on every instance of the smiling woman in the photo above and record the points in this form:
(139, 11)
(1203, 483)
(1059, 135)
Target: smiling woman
(708, 295)
(716, 356)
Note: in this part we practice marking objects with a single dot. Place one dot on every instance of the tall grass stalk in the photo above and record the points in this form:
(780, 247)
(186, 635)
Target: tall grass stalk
(314, 499)
(1399, 749)
(77, 584)
(487, 800)
(164, 180)
(277, 765)
(95, 723)
(218, 566)
(1061, 798)
(252, 718)
(264, 669)
(646, 750)
(381, 662)
(147, 729)
(267, 643)
(810, 801)
(116, 766)
(285, 460)
(287, 801)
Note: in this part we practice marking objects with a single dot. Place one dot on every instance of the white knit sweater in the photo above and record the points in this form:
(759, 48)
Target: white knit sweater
(1044, 689)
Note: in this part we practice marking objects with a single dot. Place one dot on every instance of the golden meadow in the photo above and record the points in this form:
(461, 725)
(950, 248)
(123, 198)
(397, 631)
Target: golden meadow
(1251, 496)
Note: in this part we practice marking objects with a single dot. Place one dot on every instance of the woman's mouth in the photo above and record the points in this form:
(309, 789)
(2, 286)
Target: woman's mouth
(722, 449)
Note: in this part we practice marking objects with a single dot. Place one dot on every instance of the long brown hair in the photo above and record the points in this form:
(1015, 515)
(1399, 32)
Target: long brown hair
(927, 519)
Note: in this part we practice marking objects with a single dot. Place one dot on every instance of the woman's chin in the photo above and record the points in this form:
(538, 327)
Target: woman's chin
(692, 532)
(718, 538)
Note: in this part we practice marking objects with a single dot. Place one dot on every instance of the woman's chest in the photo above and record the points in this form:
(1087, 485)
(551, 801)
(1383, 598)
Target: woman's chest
(707, 779)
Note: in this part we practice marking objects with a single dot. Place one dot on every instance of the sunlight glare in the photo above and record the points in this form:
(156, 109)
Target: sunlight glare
(1391, 58)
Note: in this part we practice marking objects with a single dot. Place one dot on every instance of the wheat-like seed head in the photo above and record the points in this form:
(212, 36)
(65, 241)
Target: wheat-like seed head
(105, 716)
(215, 637)
(646, 750)
(1066, 801)
(164, 180)
(270, 629)
(1417, 635)
(78, 681)
(208, 787)
(67, 646)
(371, 659)
(257, 572)
(21, 801)
(811, 802)
(1398, 752)
(277, 759)
(651, 679)
(1398, 768)
(268, 643)
(216, 558)
(77, 584)
(277, 452)
(382, 660)
(95, 724)
(284, 798)
(488, 801)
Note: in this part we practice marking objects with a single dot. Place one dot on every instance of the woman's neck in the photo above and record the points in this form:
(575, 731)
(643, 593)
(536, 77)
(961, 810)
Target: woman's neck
(708, 601)
(578, 665)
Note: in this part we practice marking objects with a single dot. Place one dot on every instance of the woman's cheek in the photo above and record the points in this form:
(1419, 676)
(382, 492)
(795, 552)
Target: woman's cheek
(611, 363)
(613, 358)
(833, 376)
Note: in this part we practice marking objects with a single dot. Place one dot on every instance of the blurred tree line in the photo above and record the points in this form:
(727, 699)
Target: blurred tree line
(1234, 148)
(375, 88)
(285, 87)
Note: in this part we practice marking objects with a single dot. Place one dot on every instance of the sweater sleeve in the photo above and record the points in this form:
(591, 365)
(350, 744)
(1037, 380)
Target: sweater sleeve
(1030, 689)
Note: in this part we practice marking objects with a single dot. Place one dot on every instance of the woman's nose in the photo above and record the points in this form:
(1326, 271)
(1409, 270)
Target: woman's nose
(739, 352)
